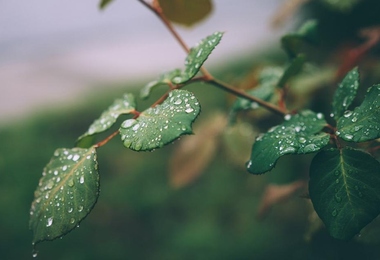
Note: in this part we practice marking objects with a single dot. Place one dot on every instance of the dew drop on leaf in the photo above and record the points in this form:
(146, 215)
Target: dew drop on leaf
(49, 222)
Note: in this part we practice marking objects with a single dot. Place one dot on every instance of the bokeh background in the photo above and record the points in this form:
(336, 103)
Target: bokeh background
(62, 64)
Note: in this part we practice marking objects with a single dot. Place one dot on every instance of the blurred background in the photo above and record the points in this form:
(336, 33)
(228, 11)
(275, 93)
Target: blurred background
(62, 64)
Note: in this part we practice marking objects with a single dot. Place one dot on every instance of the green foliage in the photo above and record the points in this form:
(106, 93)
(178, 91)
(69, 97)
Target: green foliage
(66, 193)
(107, 119)
(344, 180)
(160, 125)
(362, 124)
(344, 189)
(345, 93)
(298, 134)
(197, 56)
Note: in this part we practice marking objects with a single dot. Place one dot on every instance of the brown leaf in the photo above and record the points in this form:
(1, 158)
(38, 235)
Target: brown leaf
(186, 12)
(277, 193)
(194, 153)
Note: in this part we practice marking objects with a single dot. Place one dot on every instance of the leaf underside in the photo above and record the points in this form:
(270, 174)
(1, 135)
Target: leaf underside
(362, 124)
(344, 190)
(158, 126)
(67, 192)
(197, 56)
(108, 118)
(345, 93)
(298, 134)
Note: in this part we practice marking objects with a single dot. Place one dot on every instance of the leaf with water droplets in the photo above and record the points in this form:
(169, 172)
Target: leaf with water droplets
(67, 192)
(162, 124)
(164, 79)
(121, 106)
(363, 123)
(294, 42)
(345, 93)
(197, 56)
(344, 189)
(298, 134)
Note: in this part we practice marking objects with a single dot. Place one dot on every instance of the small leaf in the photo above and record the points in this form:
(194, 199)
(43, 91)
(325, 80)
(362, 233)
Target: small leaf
(344, 189)
(345, 93)
(67, 192)
(164, 79)
(293, 42)
(197, 56)
(292, 70)
(297, 135)
(186, 12)
(194, 153)
(362, 124)
(160, 125)
(341, 5)
(106, 120)
(104, 3)
(268, 80)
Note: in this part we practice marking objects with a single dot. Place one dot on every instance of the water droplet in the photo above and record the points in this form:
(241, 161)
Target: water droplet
(136, 127)
(70, 183)
(354, 119)
(347, 113)
(302, 140)
(81, 180)
(338, 198)
(64, 168)
(287, 117)
(76, 157)
(334, 213)
(70, 210)
(80, 208)
(128, 123)
(319, 115)
(49, 222)
(336, 173)
(189, 110)
(348, 136)
(72, 220)
(337, 181)
(178, 102)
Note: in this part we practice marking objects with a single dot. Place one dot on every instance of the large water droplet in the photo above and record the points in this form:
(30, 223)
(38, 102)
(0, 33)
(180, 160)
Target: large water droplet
(189, 110)
(49, 222)
(347, 113)
(128, 123)
(81, 180)
(76, 157)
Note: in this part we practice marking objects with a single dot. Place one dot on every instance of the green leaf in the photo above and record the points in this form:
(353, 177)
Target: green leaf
(345, 93)
(106, 120)
(297, 135)
(292, 70)
(186, 12)
(344, 189)
(104, 3)
(268, 80)
(158, 126)
(341, 5)
(67, 192)
(293, 42)
(362, 124)
(197, 56)
(164, 79)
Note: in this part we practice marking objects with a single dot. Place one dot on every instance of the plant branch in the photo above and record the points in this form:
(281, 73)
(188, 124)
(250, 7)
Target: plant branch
(103, 142)
(207, 77)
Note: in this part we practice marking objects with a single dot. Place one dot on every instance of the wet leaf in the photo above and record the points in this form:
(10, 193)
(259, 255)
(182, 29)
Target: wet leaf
(104, 3)
(197, 56)
(194, 153)
(106, 120)
(67, 192)
(307, 34)
(186, 12)
(344, 190)
(164, 79)
(362, 124)
(292, 70)
(299, 134)
(275, 194)
(345, 93)
(158, 126)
